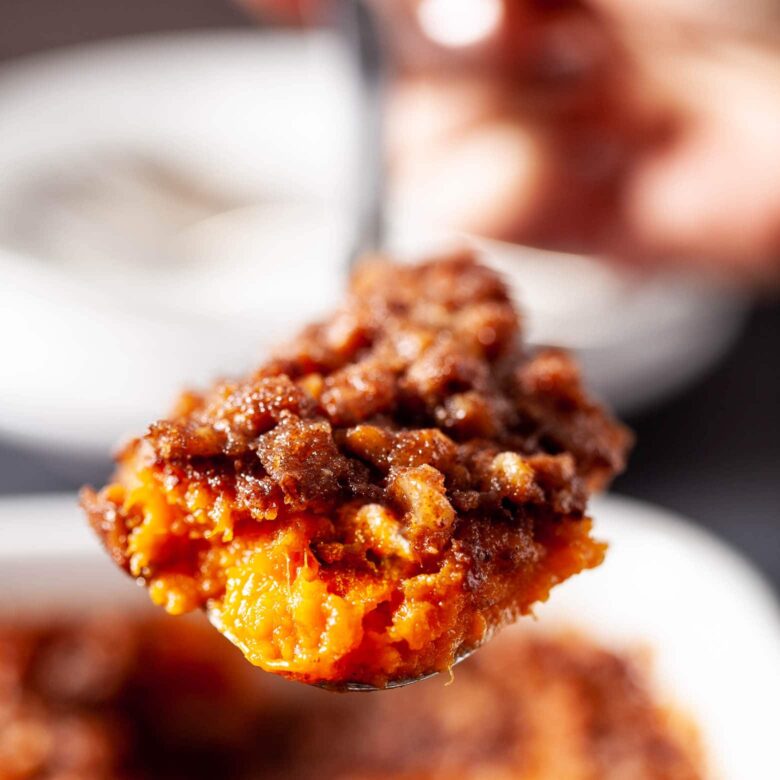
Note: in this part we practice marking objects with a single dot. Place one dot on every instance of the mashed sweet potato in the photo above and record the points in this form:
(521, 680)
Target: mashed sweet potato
(401, 481)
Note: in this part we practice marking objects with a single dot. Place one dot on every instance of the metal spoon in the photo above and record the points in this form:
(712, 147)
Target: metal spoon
(358, 25)
(358, 687)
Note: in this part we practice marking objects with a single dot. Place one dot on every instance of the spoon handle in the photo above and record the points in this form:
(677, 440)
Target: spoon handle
(358, 24)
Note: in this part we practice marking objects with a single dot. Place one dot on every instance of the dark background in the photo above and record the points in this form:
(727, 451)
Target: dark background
(712, 453)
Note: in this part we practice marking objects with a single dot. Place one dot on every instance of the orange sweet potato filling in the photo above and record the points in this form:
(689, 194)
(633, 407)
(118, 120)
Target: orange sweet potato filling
(403, 481)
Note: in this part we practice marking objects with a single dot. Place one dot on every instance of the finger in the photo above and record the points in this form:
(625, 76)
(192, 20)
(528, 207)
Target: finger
(711, 194)
(487, 180)
(734, 15)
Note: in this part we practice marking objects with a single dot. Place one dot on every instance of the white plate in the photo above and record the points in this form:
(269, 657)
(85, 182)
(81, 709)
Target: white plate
(710, 620)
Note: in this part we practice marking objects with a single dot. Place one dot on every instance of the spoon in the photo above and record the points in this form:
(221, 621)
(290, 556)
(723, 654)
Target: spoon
(364, 39)
(358, 687)
(358, 25)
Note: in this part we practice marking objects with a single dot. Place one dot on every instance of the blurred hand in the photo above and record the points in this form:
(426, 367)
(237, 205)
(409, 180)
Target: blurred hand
(647, 130)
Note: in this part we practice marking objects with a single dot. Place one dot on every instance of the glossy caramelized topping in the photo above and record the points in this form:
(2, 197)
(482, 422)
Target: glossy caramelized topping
(404, 478)
(112, 698)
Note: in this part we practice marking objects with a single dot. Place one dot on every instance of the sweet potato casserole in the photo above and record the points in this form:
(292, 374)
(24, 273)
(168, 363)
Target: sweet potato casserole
(113, 698)
(402, 480)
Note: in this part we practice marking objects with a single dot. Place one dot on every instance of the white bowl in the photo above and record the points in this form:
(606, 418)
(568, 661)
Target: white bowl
(92, 347)
(709, 619)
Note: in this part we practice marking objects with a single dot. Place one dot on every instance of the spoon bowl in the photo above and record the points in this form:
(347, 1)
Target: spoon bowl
(358, 687)
(347, 686)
